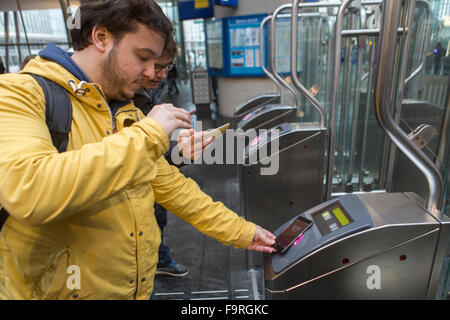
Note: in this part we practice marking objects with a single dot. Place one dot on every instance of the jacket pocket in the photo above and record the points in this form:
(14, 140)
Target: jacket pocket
(52, 283)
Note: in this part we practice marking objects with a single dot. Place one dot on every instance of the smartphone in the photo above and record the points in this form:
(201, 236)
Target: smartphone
(292, 233)
(217, 132)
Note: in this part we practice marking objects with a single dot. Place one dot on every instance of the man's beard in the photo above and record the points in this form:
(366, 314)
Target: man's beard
(114, 80)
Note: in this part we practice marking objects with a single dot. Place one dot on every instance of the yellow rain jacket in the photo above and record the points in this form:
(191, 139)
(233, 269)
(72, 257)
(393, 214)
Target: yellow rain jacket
(82, 222)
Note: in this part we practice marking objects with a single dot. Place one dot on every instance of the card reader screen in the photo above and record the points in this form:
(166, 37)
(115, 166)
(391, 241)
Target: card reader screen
(343, 220)
(331, 219)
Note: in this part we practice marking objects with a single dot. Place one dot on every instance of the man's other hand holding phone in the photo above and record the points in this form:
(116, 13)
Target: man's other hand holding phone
(192, 143)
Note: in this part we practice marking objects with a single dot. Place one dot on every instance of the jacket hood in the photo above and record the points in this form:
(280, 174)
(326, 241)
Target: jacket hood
(63, 58)
(57, 65)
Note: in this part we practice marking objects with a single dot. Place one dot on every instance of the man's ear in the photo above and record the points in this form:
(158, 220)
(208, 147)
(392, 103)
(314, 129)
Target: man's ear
(101, 38)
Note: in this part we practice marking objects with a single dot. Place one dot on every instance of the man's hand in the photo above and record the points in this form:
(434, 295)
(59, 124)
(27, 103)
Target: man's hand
(170, 117)
(263, 241)
(191, 143)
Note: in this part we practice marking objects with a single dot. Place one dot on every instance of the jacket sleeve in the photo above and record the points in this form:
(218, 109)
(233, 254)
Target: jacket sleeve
(39, 185)
(168, 155)
(183, 197)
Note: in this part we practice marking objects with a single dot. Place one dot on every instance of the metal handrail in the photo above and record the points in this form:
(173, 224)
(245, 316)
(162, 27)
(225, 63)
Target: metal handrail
(305, 5)
(383, 95)
(295, 79)
(262, 56)
(295, 96)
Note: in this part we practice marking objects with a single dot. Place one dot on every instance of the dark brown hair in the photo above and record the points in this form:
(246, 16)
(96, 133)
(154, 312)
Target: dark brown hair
(27, 59)
(119, 17)
(170, 49)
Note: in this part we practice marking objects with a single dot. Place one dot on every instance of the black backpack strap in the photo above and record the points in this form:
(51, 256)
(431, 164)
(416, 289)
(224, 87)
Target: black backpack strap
(58, 116)
(58, 111)
(3, 215)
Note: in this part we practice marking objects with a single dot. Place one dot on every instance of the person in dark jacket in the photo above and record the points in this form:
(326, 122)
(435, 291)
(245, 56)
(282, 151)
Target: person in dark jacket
(145, 99)
(439, 52)
(172, 78)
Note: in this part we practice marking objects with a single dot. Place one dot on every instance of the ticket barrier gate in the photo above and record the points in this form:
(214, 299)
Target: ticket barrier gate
(255, 102)
(264, 117)
(269, 198)
(268, 116)
(371, 246)
(374, 245)
(294, 181)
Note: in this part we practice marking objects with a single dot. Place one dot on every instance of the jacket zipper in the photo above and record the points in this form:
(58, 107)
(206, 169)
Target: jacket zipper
(113, 121)
(79, 91)
(114, 129)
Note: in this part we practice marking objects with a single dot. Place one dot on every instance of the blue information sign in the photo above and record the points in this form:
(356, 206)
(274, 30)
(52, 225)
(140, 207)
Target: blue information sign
(243, 56)
(234, 47)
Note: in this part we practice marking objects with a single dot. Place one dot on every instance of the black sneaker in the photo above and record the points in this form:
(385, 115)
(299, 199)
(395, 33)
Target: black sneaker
(174, 269)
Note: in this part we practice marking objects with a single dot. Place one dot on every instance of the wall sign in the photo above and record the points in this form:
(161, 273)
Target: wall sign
(195, 9)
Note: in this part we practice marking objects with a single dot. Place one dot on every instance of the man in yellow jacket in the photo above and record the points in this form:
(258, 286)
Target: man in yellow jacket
(81, 223)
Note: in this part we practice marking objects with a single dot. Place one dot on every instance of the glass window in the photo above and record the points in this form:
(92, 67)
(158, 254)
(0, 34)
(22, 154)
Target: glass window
(170, 9)
(29, 30)
(194, 41)
(426, 95)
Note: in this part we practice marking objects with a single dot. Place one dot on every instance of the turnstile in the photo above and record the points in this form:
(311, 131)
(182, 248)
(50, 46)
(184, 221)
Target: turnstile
(295, 178)
(255, 102)
(268, 116)
(264, 117)
(372, 246)
(281, 174)
(269, 198)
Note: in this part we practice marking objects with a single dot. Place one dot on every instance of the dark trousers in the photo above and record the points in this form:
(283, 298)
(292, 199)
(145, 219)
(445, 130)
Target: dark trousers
(163, 251)
(437, 65)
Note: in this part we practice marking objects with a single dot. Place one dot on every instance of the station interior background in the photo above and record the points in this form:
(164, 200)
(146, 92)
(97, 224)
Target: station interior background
(26, 26)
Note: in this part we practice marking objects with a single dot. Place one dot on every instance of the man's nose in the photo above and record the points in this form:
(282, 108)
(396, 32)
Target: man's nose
(149, 70)
(162, 74)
